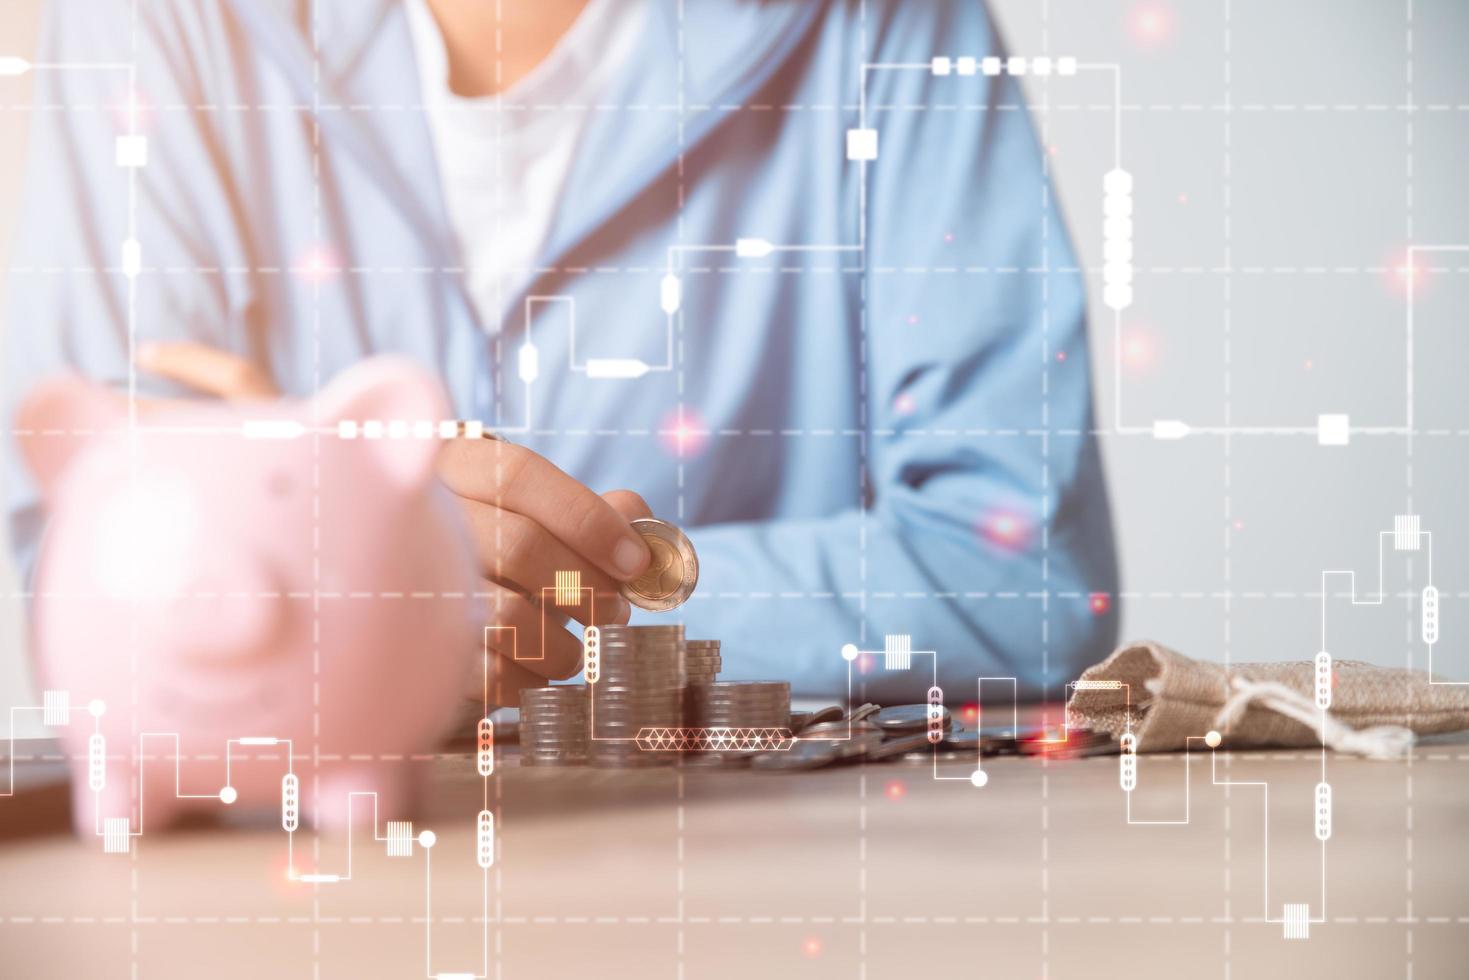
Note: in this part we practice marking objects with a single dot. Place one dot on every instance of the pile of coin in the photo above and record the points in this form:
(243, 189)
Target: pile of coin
(554, 726)
(702, 662)
(740, 704)
(640, 685)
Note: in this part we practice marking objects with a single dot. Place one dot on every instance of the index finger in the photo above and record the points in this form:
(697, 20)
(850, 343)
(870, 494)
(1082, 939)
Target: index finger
(515, 478)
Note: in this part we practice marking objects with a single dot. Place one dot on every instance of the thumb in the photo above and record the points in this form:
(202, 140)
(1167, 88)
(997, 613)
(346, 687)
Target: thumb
(628, 504)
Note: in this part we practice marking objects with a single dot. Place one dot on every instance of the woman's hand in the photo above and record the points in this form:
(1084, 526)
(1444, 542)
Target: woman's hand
(528, 521)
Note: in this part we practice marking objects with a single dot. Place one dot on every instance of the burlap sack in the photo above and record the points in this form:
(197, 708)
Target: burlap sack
(1375, 711)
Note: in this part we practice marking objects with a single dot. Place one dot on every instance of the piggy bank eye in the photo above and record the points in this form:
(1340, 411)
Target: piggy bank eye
(279, 484)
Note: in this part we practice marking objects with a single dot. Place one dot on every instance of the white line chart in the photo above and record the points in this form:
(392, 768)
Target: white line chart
(863, 147)
(397, 838)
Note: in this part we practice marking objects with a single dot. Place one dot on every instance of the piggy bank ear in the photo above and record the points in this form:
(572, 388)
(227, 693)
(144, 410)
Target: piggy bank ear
(56, 419)
(385, 390)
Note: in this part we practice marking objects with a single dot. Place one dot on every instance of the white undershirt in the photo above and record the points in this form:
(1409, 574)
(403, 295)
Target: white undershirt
(502, 164)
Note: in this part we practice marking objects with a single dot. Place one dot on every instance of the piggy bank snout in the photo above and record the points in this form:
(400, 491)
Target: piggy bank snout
(225, 617)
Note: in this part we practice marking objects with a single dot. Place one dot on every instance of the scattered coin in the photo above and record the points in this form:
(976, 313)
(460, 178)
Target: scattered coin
(894, 746)
(1075, 743)
(673, 572)
(815, 754)
(908, 718)
(837, 730)
(925, 756)
(988, 741)
(830, 713)
(865, 711)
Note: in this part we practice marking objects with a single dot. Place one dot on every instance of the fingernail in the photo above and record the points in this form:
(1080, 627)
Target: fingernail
(629, 556)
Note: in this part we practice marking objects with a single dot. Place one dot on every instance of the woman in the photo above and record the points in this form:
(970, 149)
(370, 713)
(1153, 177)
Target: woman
(640, 239)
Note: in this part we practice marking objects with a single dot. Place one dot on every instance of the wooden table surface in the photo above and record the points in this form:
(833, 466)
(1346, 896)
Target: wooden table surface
(873, 871)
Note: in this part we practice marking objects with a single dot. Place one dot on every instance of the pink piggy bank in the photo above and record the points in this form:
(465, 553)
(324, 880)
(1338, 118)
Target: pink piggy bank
(245, 604)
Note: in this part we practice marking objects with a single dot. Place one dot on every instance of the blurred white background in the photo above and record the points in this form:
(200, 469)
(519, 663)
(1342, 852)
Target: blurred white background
(1285, 154)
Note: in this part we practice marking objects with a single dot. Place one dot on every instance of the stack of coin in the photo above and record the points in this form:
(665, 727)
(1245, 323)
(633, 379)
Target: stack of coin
(554, 726)
(740, 704)
(640, 685)
(701, 661)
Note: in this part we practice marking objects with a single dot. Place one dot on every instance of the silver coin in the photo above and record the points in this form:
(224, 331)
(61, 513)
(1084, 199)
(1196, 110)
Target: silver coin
(836, 730)
(673, 572)
(1075, 744)
(831, 713)
(990, 741)
(908, 718)
(814, 755)
(926, 756)
(864, 712)
(901, 745)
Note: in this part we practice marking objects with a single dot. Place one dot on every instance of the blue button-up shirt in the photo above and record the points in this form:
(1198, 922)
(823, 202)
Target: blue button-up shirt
(883, 425)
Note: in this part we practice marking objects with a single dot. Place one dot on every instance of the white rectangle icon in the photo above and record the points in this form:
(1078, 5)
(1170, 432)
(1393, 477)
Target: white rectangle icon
(1333, 430)
(568, 588)
(616, 367)
(272, 429)
(115, 836)
(861, 144)
(132, 151)
(55, 708)
(1297, 919)
(400, 838)
(132, 258)
(897, 649)
(1405, 531)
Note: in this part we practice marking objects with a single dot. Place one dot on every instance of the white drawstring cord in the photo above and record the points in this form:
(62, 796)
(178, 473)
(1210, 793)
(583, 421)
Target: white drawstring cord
(1380, 742)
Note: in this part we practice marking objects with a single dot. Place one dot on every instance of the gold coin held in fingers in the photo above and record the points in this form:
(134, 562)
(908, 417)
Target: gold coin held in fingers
(673, 572)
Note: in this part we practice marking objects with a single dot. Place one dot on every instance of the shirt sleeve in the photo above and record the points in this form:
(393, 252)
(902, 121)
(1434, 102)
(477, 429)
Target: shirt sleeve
(107, 176)
(985, 532)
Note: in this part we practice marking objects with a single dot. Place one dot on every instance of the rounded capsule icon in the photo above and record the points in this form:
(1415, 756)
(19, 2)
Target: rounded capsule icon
(1128, 742)
(1323, 680)
(485, 747)
(1323, 811)
(290, 802)
(935, 714)
(591, 650)
(1127, 771)
(484, 838)
(1430, 615)
(96, 762)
